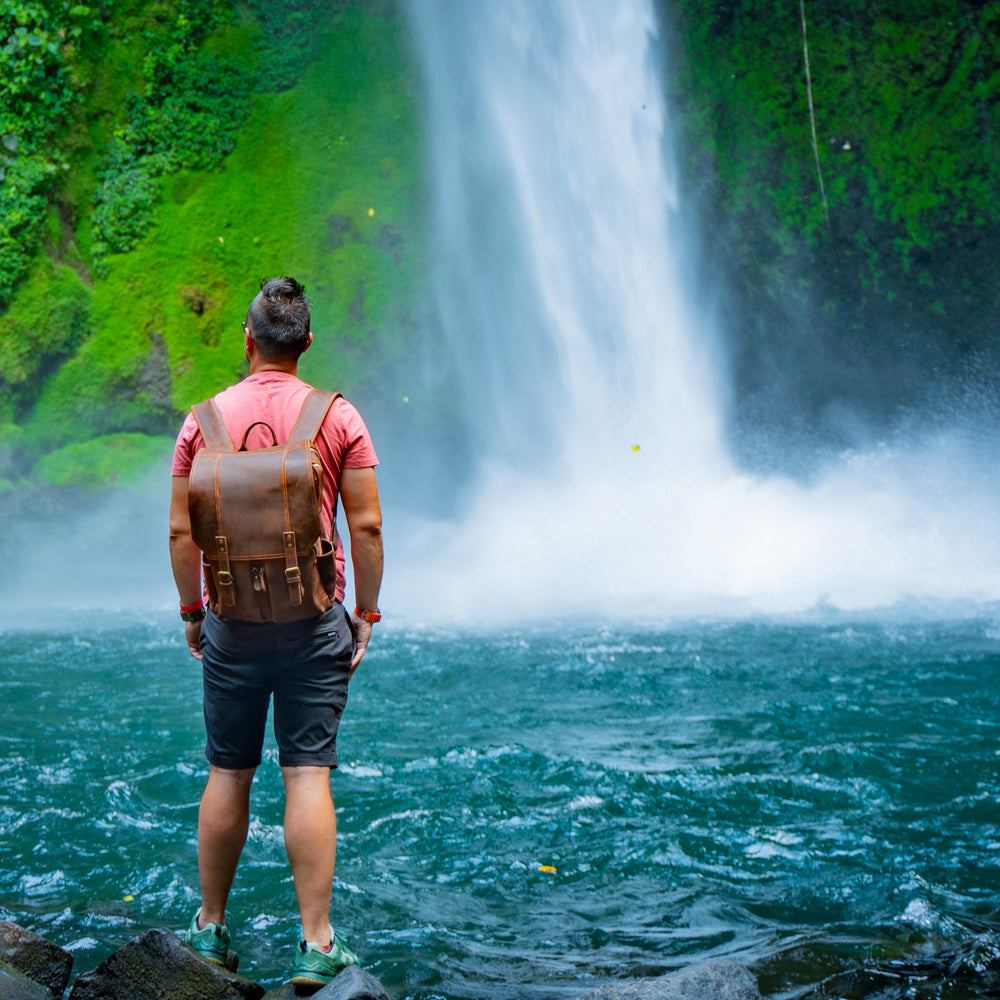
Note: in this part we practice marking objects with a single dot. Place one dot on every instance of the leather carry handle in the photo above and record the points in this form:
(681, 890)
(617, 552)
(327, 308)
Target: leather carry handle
(258, 423)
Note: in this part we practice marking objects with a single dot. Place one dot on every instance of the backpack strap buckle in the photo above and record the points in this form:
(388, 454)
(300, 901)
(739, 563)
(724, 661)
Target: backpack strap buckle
(293, 575)
(223, 576)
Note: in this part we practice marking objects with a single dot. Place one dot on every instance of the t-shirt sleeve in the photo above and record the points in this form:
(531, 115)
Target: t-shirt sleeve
(358, 450)
(188, 439)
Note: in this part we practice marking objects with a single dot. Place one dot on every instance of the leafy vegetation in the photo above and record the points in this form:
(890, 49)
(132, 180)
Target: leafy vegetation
(46, 325)
(904, 278)
(154, 251)
(36, 92)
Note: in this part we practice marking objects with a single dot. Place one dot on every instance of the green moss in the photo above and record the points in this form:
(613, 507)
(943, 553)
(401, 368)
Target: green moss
(115, 459)
(339, 214)
(46, 324)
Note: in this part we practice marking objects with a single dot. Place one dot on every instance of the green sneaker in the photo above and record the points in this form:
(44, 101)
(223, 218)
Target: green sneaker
(313, 966)
(210, 942)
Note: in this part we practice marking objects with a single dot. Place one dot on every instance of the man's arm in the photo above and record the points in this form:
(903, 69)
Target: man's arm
(185, 558)
(359, 496)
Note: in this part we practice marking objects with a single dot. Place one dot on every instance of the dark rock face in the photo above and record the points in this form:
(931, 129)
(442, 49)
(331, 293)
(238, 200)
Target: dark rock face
(719, 979)
(351, 984)
(35, 957)
(158, 966)
(15, 985)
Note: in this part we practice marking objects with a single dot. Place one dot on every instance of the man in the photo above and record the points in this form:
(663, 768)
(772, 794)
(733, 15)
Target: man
(306, 665)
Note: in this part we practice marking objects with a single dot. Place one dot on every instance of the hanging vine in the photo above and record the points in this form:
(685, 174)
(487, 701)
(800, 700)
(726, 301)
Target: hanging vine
(812, 111)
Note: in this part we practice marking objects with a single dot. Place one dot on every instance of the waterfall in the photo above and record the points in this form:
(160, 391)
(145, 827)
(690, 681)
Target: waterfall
(587, 386)
(557, 282)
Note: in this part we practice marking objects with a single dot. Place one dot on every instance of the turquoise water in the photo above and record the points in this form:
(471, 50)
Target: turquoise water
(819, 801)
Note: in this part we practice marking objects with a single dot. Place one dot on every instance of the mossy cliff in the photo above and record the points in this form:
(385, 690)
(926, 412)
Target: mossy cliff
(204, 147)
(863, 268)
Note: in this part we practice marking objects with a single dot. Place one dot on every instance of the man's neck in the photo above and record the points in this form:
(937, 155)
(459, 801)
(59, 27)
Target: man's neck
(288, 367)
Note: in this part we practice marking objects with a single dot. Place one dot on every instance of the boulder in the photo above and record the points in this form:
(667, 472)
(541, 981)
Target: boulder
(15, 985)
(159, 966)
(35, 957)
(717, 979)
(351, 984)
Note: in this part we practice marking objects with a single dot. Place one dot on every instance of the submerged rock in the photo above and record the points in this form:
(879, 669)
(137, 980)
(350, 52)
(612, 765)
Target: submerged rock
(351, 984)
(35, 957)
(158, 966)
(717, 979)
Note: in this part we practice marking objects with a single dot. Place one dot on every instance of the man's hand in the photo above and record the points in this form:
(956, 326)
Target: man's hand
(192, 633)
(362, 633)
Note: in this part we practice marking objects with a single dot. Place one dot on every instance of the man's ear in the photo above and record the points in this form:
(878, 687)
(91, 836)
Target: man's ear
(308, 342)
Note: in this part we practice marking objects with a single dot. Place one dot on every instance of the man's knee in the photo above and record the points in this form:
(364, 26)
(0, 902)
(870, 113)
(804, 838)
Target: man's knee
(231, 781)
(305, 774)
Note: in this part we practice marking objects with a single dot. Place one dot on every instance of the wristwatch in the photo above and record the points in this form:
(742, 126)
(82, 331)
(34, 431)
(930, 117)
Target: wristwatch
(368, 616)
(193, 614)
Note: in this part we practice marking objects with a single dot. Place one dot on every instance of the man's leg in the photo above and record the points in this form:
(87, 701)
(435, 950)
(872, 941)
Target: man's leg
(223, 821)
(311, 843)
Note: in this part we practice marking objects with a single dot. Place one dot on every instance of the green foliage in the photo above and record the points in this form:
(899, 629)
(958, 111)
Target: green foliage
(906, 107)
(32, 71)
(323, 183)
(903, 279)
(124, 202)
(112, 460)
(47, 323)
(35, 93)
(185, 116)
(291, 31)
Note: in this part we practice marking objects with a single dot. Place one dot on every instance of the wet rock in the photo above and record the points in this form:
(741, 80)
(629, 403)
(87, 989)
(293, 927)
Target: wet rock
(718, 979)
(35, 957)
(158, 966)
(351, 984)
(15, 985)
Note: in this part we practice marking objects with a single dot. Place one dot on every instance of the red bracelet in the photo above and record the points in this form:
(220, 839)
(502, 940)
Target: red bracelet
(192, 607)
(369, 616)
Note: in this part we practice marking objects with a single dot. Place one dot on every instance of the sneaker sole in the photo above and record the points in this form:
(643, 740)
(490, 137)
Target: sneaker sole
(304, 979)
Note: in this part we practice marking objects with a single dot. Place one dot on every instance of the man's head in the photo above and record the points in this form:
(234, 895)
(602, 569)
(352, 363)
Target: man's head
(278, 319)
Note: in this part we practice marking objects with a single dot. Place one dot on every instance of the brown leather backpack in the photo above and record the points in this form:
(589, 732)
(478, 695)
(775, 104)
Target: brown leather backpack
(256, 517)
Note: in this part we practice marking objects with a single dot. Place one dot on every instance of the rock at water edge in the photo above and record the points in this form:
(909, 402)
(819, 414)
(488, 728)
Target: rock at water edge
(159, 966)
(35, 957)
(351, 984)
(15, 985)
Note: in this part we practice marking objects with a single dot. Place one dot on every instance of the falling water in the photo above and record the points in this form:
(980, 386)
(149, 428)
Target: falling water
(589, 385)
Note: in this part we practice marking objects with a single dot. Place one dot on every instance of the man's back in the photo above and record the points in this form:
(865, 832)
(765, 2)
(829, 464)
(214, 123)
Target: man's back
(276, 399)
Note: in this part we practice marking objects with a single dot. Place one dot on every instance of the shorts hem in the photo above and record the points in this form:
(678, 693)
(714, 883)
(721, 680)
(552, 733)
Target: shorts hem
(307, 760)
(231, 763)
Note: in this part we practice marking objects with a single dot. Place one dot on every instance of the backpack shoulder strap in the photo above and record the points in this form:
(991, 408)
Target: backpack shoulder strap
(213, 430)
(312, 415)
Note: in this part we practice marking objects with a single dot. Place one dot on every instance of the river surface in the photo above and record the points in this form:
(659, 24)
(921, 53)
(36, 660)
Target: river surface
(529, 812)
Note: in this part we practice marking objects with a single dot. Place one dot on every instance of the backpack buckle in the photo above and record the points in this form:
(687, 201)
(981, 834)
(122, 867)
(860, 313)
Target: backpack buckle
(293, 575)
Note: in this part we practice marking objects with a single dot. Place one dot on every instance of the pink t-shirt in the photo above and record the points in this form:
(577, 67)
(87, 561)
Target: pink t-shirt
(276, 398)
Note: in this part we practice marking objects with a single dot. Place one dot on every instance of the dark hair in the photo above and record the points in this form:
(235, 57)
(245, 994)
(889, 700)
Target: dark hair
(279, 318)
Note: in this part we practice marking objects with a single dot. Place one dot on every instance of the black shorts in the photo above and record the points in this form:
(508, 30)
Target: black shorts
(306, 665)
